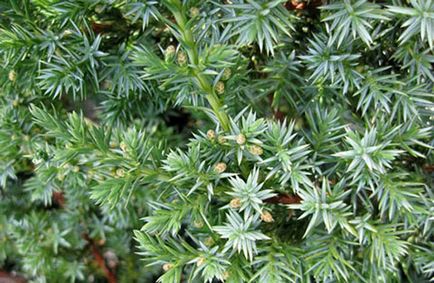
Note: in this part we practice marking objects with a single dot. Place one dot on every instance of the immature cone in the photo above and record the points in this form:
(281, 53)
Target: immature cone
(227, 73)
(76, 169)
(170, 52)
(240, 139)
(60, 176)
(15, 103)
(200, 261)
(235, 203)
(120, 172)
(12, 76)
(123, 146)
(198, 223)
(221, 139)
(256, 150)
(182, 58)
(220, 87)
(194, 12)
(298, 124)
(267, 217)
(113, 144)
(67, 32)
(209, 241)
(211, 134)
(220, 167)
(167, 266)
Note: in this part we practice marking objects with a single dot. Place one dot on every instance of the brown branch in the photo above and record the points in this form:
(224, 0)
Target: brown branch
(99, 259)
(283, 198)
(429, 168)
(278, 115)
(295, 5)
(6, 277)
(302, 5)
(99, 28)
(58, 199)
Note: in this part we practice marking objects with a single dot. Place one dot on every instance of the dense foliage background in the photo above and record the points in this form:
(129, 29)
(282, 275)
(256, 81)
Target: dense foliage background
(209, 141)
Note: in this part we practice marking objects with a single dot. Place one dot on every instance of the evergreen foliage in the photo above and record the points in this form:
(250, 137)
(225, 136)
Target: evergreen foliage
(217, 141)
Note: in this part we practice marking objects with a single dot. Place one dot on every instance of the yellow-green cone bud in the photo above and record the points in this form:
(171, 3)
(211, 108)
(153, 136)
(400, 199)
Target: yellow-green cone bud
(235, 203)
(120, 172)
(209, 241)
(194, 12)
(220, 167)
(12, 76)
(220, 88)
(169, 53)
(221, 139)
(227, 73)
(200, 261)
(240, 139)
(123, 146)
(256, 150)
(167, 266)
(298, 124)
(182, 58)
(60, 176)
(267, 217)
(211, 134)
